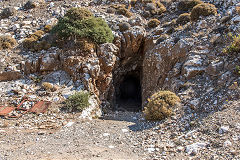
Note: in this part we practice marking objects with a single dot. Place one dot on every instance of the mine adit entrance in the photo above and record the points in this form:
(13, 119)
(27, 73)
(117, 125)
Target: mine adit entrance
(128, 93)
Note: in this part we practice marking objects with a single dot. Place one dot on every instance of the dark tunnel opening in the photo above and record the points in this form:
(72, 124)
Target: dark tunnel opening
(129, 96)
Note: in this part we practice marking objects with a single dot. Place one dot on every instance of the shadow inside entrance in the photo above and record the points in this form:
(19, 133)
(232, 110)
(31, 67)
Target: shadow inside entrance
(129, 96)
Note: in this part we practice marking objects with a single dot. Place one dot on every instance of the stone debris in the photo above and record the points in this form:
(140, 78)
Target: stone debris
(223, 129)
(186, 59)
(195, 147)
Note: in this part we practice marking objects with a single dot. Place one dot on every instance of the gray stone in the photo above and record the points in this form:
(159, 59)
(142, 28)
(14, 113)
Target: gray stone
(7, 12)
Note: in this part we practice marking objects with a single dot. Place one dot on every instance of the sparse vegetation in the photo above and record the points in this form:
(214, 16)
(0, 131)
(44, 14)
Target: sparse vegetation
(160, 8)
(187, 5)
(160, 105)
(33, 42)
(7, 42)
(203, 9)
(78, 101)
(47, 28)
(78, 14)
(94, 29)
(48, 86)
(238, 70)
(183, 18)
(85, 45)
(153, 23)
(234, 47)
(121, 9)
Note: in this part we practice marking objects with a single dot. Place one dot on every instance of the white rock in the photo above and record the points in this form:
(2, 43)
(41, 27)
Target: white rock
(223, 129)
(69, 124)
(151, 150)
(106, 134)
(180, 148)
(111, 147)
(55, 99)
(16, 26)
(227, 143)
(236, 19)
(51, 4)
(195, 147)
(124, 130)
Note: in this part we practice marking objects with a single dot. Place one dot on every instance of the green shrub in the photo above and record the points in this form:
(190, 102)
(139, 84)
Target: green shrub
(183, 18)
(94, 29)
(160, 105)
(238, 70)
(187, 5)
(203, 9)
(78, 101)
(153, 23)
(7, 42)
(234, 47)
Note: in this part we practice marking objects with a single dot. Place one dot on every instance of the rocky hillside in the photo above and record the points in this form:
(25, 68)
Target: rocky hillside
(112, 50)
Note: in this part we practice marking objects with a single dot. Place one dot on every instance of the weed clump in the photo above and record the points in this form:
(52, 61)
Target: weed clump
(47, 28)
(78, 101)
(160, 105)
(153, 23)
(92, 28)
(187, 5)
(7, 42)
(122, 10)
(77, 14)
(203, 9)
(49, 86)
(34, 43)
(234, 47)
(183, 19)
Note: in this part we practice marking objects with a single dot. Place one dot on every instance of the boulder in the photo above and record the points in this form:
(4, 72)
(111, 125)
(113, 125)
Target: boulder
(157, 63)
(7, 12)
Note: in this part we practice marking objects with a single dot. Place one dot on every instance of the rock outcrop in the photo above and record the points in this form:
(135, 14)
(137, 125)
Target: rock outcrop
(158, 62)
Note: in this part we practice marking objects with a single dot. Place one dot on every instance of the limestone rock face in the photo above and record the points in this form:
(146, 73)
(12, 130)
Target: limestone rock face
(43, 63)
(158, 62)
(49, 62)
(215, 68)
(107, 57)
(131, 41)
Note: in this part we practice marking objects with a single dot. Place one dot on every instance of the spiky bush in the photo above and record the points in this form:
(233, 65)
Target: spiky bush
(78, 101)
(160, 8)
(76, 14)
(7, 42)
(203, 9)
(183, 18)
(94, 29)
(34, 42)
(47, 28)
(121, 9)
(48, 86)
(153, 23)
(160, 105)
(187, 5)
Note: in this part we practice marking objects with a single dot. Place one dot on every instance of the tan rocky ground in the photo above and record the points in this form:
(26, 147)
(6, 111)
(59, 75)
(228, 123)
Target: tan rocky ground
(186, 59)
